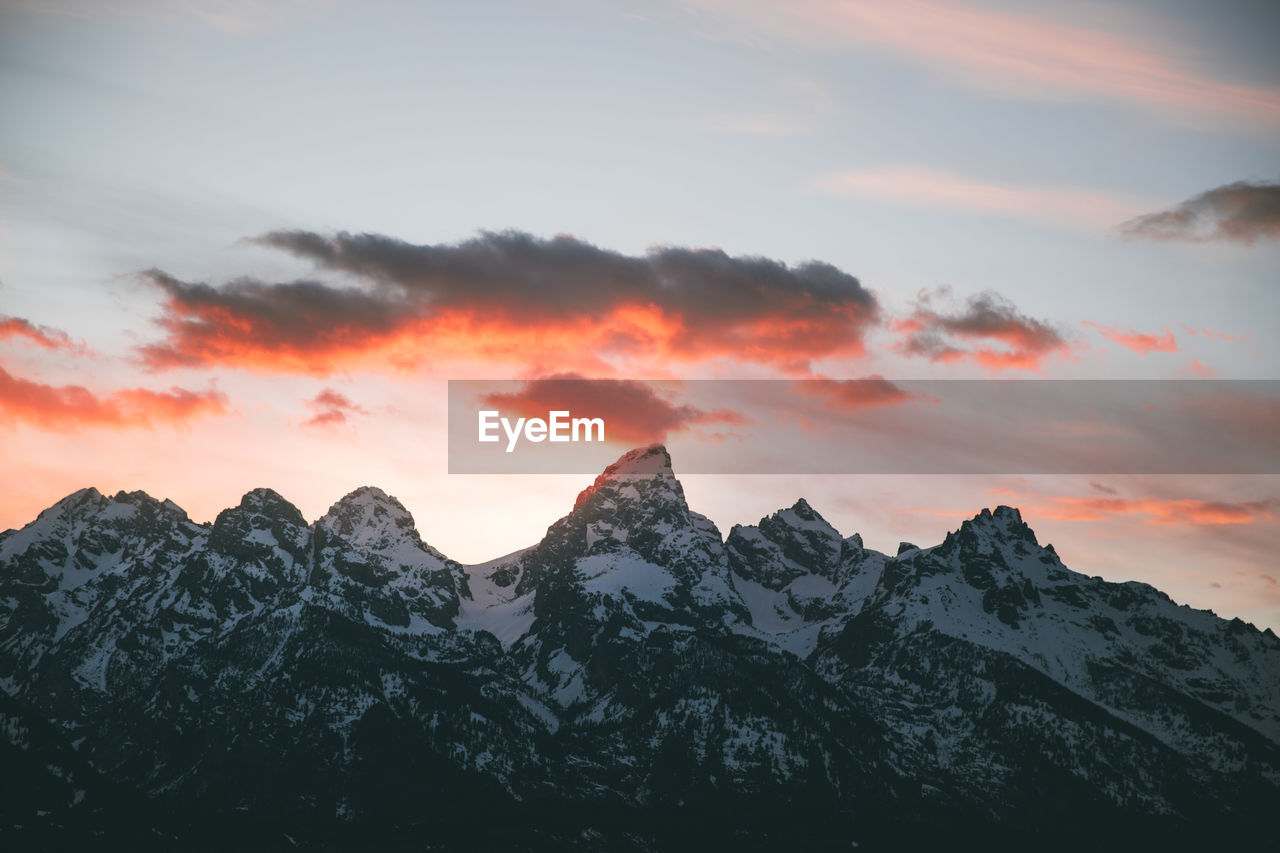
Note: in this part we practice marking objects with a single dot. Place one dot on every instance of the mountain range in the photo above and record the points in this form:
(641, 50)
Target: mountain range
(633, 681)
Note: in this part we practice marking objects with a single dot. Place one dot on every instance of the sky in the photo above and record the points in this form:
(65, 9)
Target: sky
(247, 243)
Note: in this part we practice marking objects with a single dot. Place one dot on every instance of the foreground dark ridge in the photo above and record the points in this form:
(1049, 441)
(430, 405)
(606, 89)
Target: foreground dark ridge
(632, 681)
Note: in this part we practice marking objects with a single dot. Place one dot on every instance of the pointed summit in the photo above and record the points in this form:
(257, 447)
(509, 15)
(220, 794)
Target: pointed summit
(366, 509)
(1004, 523)
(645, 470)
(641, 462)
(268, 504)
(376, 522)
(263, 526)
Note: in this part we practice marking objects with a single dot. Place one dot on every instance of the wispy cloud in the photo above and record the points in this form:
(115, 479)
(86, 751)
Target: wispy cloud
(44, 337)
(1158, 511)
(802, 105)
(1244, 212)
(1017, 53)
(72, 407)
(332, 409)
(1196, 370)
(1140, 342)
(1212, 333)
(918, 186)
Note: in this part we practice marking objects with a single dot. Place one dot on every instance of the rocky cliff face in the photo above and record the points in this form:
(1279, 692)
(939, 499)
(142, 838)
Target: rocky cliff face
(344, 674)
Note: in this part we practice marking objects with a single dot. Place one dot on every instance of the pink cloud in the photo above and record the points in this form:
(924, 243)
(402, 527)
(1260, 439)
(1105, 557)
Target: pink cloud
(1018, 53)
(919, 186)
(33, 335)
(1139, 342)
(332, 408)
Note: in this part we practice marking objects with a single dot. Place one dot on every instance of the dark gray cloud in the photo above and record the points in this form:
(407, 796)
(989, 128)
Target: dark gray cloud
(677, 303)
(972, 332)
(1243, 212)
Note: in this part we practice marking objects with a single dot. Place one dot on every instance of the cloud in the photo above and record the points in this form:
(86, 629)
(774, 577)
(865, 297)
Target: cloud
(1139, 342)
(1197, 370)
(851, 395)
(1015, 53)
(634, 412)
(41, 336)
(1243, 212)
(969, 334)
(918, 186)
(1159, 511)
(809, 105)
(511, 298)
(70, 407)
(1210, 333)
(331, 409)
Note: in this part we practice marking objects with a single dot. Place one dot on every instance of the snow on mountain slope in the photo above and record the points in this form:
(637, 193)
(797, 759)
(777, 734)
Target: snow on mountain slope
(494, 605)
(798, 576)
(631, 657)
(1082, 632)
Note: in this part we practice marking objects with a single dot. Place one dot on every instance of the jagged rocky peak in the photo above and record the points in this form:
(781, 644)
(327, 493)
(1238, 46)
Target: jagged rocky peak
(635, 509)
(266, 504)
(644, 474)
(791, 542)
(261, 514)
(79, 501)
(376, 523)
(989, 528)
(650, 461)
(368, 512)
(88, 506)
(648, 468)
(803, 521)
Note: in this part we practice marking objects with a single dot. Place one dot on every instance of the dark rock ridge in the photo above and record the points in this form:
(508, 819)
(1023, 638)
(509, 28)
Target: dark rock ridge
(632, 681)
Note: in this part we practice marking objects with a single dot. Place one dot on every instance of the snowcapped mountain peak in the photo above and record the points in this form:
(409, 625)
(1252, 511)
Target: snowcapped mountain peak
(263, 526)
(376, 522)
(368, 508)
(266, 503)
(644, 473)
(633, 645)
(76, 503)
(1004, 524)
(653, 460)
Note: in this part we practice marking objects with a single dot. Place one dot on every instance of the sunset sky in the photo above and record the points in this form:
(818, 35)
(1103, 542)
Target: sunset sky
(247, 243)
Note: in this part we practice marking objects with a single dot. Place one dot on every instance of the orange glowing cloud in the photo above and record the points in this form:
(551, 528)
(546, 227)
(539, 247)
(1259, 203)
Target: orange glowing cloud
(33, 335)
(634, 412)
(989, 331)
(1137, 341)
(513, 299)
(1158, 511)
(70, 407)
(1018, 53)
